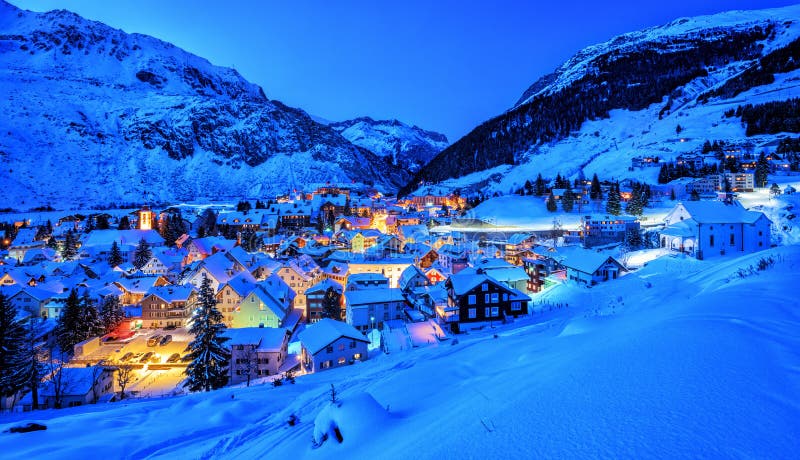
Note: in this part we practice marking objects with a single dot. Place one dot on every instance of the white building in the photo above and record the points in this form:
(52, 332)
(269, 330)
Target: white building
(329, 343)
(370, 308)
(706, 229)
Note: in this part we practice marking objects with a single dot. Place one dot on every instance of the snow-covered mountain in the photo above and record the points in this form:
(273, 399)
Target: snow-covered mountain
(627, 97)
(410, 147)
(92, 114)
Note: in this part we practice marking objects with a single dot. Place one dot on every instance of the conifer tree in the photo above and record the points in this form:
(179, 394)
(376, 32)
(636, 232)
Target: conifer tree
(331, 307)
(762, 171)
(12, 349)
(551, 203)
(540, 186)
(142, 254)
(111, 313)
(595, 192)
(613, 204)
(124, 223)
(68, 327)
(568, 200)
(70, 249)
(33, 369)
(115, 257)
(90, 325)
(210, 358)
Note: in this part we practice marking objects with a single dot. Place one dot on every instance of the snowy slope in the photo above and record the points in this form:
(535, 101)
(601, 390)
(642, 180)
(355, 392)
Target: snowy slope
(146, 120)
(682, 359)
(542, 134)
(410, 147)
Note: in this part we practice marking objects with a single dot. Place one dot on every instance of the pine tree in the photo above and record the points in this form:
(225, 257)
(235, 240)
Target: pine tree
(124, 223)
(595, 192)
(568, 200)
(331, 307)
(528, 187)
(540, 186)
(762, 171)
(115, 257)
(111, 313)
(68, 327)
(613, 204)
(210, 359)
(551, 203)
(209, 220)
(142, 254)
(102, 222)
(12, 349)
(91, 324)
(694, 196)
(70, 249)
(672, 194)
(634, 206)
(33, 368)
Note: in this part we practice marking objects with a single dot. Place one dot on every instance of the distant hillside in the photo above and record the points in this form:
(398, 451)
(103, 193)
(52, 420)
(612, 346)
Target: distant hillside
(92, 114)
(409, 147)
(660, 91)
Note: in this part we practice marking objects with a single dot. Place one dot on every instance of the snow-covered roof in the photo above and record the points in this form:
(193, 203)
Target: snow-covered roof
(717, 212)
(171, 293)
(323, 286)
(372, 296)
(269, 339)
(586, 261)
(326, 331)
(137, 285)
(132, 237)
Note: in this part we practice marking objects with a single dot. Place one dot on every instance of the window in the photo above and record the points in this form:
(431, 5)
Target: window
(326, 364)
(352, 344)
(471, 300)
(485, 287)
(711, 241)
(486, 312)
(495, 298)
(472, 313)
(516, 306)
(342, 360)
(505, 297)
(341, 347)
(486, 298)
(357, 356)
(760, 233)
(329, 349)
(732, 240)
(495, 311)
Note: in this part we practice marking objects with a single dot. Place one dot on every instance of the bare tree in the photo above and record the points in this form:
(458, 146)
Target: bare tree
(249, 360)
(58, 381)
(97, 373)
(124, 377)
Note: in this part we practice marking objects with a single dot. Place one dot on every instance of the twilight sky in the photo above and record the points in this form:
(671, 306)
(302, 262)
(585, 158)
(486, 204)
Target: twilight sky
(443, 65)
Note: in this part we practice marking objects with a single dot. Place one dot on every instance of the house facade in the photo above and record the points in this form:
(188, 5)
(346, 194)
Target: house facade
(329, 344)
(475, 299)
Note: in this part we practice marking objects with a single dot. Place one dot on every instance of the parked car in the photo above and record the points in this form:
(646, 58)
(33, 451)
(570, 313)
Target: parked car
(174, 358)
(171, 327)
(137, 356)
(166, 339)
(154, 340)
(126, 357)
(146, 357)
(186, 359)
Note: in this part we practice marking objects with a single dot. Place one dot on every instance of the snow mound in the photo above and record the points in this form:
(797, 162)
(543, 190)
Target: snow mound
(351, 421)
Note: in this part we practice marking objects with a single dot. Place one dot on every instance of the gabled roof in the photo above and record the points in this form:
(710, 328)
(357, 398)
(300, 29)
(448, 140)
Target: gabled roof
(408, 274)
(171, 293)
(323, 286)
(587, 261)
(717, 212)
(243, 284)
(463, 283)
(268, 339)
(137, 285)
(326, 331)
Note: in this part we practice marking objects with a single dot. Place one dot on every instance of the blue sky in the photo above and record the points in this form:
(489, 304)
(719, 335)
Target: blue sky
(440, 64)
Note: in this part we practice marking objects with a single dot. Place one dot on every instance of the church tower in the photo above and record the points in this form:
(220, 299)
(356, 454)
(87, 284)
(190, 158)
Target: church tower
(145, 218)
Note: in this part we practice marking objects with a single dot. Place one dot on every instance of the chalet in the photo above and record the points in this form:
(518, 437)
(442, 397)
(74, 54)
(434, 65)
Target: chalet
(477, 299)
(599, 229)
(32, 300)
(168, 306)
(256, 352)
(516, 245)
(705, 229)
(231, 294)
(327, 344)
(412, 278)
(370, 308)
(413, 233)
(453, 258)
(300, 274)
(134, 289)
(268, 305)
(24, 241)
(315, 299)
(352, 223)
(590, 267)
(201, 248)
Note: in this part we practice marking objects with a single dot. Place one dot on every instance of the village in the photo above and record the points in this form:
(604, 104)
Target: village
(308, 282)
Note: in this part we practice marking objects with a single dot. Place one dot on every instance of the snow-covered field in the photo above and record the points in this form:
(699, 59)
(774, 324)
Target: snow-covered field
(681, 359)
